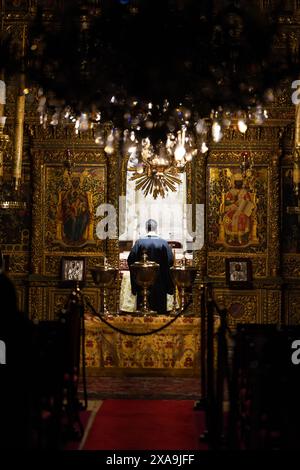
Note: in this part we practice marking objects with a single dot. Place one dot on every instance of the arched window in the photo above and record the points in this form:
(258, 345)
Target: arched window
(169, 212)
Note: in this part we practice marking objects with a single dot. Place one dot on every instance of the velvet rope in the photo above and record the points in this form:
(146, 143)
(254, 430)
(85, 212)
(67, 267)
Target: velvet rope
(130, 333)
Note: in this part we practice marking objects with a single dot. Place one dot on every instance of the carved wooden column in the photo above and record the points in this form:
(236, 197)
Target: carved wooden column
(36, 291)
(37, 233)
(200, 256)
(272, 294)
(274, 217)
(199, 197)
(112, 244)
(37, 310)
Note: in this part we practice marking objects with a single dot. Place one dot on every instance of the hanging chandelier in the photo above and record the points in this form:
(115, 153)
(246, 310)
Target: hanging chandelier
(156, 169)
(157, 165)
(95, 69)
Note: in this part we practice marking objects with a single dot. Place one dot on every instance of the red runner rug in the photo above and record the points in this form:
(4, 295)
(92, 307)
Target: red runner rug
(146, 425)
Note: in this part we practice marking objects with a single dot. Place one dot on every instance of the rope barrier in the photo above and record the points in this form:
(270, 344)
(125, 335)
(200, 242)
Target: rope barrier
(131, 333)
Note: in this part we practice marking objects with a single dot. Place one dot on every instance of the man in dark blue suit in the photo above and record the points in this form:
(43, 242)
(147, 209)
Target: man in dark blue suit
(159, 251)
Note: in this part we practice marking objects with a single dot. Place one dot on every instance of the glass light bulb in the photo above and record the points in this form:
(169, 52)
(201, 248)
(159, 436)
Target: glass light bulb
(204, 147)
(149, 124)
(216, 132)
(140, 169)
(54, 120)
(132, 149)
(179, 152)
(242, 126)
(201, 127)
(83, 122)
(109, 149)
(99, 140)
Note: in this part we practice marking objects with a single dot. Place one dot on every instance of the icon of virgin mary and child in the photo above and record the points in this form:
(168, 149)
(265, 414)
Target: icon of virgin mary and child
(75, 214)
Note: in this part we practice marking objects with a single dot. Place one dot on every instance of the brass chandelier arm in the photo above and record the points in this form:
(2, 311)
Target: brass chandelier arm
(156, 184)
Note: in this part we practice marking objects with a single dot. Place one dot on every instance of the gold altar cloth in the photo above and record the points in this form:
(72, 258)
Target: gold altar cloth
(171, 352)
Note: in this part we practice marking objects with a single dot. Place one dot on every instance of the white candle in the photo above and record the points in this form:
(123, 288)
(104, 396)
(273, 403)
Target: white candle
(2, 92)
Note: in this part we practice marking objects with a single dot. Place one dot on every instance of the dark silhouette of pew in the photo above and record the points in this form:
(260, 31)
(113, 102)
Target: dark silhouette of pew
(265, 398)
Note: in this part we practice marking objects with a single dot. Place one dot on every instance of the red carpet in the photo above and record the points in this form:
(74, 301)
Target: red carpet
(146, 425)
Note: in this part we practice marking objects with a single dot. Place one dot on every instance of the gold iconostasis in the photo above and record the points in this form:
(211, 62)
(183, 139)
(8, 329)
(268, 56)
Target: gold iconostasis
(72, 190)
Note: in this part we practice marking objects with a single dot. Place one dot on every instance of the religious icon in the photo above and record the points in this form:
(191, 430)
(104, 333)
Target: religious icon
(75, 212)
(238, 222)
(73, 269)
(290, 214)
(72, 197)
(238, 272)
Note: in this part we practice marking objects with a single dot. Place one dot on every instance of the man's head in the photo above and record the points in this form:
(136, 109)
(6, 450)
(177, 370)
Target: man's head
(237, 267)
(151, 225)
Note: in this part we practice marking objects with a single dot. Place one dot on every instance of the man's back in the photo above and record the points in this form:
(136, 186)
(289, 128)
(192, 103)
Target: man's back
(157, 250)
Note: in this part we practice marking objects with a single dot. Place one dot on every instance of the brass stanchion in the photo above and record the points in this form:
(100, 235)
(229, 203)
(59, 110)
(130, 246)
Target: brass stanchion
(183, 277)
(104, 276)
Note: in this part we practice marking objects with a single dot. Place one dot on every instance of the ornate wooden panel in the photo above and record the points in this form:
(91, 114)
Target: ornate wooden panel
(242, 306)
(293, 307)
(57, 299)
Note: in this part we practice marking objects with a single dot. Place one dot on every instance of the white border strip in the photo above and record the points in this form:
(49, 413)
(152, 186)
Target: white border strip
(90, 423)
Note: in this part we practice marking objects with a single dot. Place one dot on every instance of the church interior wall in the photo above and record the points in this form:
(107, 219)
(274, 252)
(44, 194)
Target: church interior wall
(33, 248)
(266, 234)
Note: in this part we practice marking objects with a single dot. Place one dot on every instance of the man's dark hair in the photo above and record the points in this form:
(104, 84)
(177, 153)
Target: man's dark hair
(151, 225)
